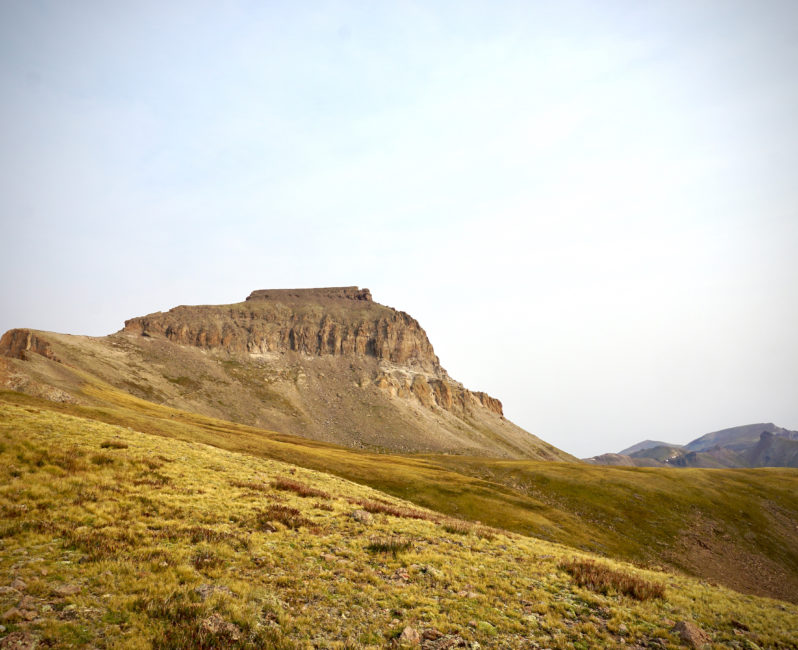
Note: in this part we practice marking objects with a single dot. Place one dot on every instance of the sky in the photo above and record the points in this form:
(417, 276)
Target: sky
(590, 206)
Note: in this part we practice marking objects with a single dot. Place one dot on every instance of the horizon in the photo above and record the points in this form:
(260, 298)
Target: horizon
(590, 208)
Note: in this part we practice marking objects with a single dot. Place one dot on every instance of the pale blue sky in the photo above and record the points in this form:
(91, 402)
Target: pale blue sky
(591, 206)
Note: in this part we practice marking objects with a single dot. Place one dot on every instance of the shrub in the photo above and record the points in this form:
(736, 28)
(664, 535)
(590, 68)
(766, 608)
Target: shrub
(113, 444)
(250, 485)
(392, 545)
(603, 579)
(300, 488)
(457, 526)
(394, 511)
(206, 559)
(287, 516)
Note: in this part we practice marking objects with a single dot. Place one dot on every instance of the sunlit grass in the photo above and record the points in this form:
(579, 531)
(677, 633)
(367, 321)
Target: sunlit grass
(200, 558)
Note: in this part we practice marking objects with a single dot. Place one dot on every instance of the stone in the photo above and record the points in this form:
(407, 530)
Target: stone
(362, 516)
(11, 615)
(410, 636)
(19, 584)
(691, 634)
(19, 641)
(219, 627)
(66, 590)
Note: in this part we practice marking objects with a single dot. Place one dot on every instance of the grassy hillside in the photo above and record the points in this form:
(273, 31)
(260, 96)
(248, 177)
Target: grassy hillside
(114, 537)
(735, 527)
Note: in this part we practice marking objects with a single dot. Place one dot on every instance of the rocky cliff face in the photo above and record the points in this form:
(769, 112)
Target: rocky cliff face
(342, 321)
(336, 322)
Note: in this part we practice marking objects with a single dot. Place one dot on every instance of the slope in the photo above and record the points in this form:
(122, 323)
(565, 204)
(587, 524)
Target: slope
(116, 538)
(743, 520)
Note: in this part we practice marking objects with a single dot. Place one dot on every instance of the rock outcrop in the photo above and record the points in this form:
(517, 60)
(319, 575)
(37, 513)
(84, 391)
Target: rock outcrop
(312, 322)
(19, 343)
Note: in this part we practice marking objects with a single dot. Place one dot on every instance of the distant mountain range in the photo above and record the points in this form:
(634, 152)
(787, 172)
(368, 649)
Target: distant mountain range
(751, 445)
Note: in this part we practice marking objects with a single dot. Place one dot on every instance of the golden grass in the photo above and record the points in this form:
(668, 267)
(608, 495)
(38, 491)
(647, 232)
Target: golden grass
(109, 561)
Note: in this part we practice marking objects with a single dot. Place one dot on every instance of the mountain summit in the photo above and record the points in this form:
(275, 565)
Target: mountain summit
(326, 363)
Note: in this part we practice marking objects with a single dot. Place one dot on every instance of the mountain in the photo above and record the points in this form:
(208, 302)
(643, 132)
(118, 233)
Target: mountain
(328, 364)
(738, 438)
(646, 444)
(751, 445)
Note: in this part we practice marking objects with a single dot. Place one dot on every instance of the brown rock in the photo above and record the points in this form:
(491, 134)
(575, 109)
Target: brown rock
(362, 516)
(66, 590)
(410, 636)
(19, 584)
(691, 634)
(11, 615)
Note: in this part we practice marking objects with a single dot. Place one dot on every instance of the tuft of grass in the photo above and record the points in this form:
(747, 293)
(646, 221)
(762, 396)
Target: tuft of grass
(257, 486)
(286, 515)
(604, 580)
(102, 459)
(99, 544)
(282, 483)
(113, 444)
(393, 545)
(204, 559)
(457, 526)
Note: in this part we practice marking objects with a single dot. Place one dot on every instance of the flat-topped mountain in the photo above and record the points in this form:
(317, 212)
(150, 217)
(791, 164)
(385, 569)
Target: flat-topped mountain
(327, 363)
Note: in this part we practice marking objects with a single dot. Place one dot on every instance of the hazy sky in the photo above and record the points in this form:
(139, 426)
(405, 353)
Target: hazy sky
(592, 207)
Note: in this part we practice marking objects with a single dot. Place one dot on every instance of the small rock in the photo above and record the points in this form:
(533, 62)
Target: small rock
(362, 516)
(11, 615)
(66, 590)
(216, 625)
(691, 634)
(410, 636)
(27, 614)
(19, 641)
(431, 635)
(622, 629)
(328, 557)
(19, 584)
